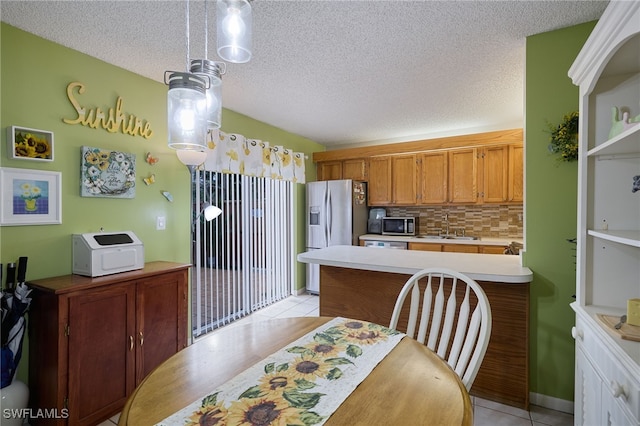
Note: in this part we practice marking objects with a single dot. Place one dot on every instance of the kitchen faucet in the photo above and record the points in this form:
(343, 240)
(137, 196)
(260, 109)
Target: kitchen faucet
(446, 223)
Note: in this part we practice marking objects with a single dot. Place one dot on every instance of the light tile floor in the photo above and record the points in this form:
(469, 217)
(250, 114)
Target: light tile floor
(486, 413)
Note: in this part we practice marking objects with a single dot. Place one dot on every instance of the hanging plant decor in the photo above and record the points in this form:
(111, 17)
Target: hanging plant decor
(564, 138)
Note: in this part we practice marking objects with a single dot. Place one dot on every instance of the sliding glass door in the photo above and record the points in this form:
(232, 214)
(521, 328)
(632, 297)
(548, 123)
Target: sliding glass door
(244, 259)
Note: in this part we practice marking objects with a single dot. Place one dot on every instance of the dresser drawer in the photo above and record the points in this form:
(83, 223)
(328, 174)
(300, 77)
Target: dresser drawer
(618, 381)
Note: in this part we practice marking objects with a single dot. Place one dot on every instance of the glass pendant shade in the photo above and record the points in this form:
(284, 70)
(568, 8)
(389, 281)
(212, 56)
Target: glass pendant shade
(211, 71)
(186, 109)
(190, 157)
(234, 30)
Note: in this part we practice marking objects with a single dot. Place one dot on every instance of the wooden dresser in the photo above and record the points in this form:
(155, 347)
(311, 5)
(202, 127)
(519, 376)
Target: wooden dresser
(92, 340)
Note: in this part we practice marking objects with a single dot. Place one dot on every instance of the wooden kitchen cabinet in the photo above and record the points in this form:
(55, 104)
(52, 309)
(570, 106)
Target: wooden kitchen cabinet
(425, 246)
(516, 173)
(491, 174)
(463, 176)
(495, 167)
(92, 340)
(329, 170)
(379, 189)
(492, 249)
(392, 180)
(502, 174)
(434, 177)
(457, 248)
(463, 170)
(460, 248)
(403, 179)
(355, 169)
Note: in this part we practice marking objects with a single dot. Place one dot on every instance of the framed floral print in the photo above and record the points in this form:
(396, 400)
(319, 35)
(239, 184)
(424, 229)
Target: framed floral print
(30, 197)
(29, 144)
(107, 173)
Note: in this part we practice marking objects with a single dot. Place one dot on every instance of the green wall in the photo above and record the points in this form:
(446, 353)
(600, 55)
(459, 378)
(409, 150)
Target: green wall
(34, 76)
(550, 209)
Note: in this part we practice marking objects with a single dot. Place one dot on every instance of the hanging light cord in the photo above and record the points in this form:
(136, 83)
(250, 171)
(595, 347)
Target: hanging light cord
(206, 31)
(187, 13)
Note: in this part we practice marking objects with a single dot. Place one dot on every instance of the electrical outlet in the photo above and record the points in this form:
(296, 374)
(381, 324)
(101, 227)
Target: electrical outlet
(161, 223)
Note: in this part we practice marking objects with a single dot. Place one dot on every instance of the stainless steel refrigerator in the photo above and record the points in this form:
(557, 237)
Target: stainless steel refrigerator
(336, 215)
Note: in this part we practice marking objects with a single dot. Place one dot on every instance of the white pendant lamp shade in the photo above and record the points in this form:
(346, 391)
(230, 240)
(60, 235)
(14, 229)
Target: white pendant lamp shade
(186, 109)
(234, 30)
(212, 72)
(191, 157)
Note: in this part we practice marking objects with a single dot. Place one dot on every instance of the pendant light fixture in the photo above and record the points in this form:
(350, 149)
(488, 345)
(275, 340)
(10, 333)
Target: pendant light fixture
(186, 106)
(211, 71)
(234, 30)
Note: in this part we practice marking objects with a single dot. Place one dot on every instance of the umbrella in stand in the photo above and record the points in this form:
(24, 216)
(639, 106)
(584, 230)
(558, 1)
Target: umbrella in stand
(14, 305)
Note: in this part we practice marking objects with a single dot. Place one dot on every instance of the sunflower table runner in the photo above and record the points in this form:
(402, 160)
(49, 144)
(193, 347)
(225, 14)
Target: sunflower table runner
(301, 384)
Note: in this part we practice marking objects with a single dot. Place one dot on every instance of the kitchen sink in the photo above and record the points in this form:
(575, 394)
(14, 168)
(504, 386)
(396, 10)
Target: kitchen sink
(461, 238)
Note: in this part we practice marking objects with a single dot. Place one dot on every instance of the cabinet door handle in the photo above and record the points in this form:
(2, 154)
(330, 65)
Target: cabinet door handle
(577, 334)
(141, 338)
(130, 343)
(618, 390)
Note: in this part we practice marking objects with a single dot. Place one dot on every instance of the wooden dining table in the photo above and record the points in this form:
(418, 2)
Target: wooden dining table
(410, 386)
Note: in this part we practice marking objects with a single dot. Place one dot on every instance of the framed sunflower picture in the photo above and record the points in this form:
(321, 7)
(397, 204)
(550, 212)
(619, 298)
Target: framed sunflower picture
(107, 173)
(29, 144)
(30, 197)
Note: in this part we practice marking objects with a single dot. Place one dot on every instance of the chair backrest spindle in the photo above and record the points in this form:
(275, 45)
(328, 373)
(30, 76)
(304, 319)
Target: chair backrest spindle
(458, 330)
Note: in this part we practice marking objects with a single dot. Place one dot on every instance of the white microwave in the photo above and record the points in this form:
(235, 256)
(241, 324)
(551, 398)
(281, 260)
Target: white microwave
(399, 225)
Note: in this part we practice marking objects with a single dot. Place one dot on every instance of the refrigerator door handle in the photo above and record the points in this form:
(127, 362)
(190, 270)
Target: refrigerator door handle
(329, 217)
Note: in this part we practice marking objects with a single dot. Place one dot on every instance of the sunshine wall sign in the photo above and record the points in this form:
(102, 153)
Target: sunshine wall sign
(112, 120)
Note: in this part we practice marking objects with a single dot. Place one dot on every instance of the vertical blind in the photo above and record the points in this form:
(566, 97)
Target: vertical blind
(244, 259)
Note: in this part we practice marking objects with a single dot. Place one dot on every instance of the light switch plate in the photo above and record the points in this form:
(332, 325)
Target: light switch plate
(161, 223)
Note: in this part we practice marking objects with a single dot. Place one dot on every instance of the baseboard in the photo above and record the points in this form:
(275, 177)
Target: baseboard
(551, 402)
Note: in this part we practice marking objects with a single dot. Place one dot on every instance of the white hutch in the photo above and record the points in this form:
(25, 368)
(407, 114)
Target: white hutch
(607, 387)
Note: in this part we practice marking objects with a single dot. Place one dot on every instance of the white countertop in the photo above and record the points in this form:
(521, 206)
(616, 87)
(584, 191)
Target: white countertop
(416, 239)
(480, 267)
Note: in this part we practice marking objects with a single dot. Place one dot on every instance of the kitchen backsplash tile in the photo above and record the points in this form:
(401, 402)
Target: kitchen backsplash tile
(501, 221)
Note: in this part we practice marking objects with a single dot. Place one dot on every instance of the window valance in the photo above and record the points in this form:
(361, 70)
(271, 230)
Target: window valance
(233, 153)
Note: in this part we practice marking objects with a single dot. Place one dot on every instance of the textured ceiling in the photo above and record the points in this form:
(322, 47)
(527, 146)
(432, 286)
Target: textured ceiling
(337, 72)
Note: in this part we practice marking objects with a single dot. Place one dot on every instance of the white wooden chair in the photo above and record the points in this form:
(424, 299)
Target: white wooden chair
(445, 302)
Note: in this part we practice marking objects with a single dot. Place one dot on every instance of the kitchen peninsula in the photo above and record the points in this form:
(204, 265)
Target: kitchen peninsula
(364, 282)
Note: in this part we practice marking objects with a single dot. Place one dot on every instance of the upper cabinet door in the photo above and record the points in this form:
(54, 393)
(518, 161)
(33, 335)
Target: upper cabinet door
(433, 178)
(355, 169)
(403, 172)
(495, 174)
(516, 173)
(463, 172)
(379, 181)
(330, 170)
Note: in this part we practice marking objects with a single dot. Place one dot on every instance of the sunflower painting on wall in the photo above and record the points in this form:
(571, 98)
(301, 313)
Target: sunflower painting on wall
(30, 144)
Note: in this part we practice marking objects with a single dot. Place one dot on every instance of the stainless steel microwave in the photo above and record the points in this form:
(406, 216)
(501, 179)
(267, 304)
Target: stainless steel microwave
(399, 225)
